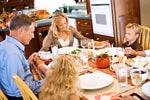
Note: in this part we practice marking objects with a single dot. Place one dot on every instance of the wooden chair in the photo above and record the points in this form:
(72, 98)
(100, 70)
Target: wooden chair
(26, 92)
(2, 96)
(144, 38)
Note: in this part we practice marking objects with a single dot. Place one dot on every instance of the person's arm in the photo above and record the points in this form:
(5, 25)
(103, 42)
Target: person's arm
(77, 34)
(74, 97)
(47, 42)
(129, 50)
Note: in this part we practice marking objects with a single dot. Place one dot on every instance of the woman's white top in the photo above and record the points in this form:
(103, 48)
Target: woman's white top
(64, 43)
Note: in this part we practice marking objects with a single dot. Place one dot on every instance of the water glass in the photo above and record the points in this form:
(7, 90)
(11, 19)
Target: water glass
(89, 44)
(54, 49)
(84, 59)
(121, 71)
(120, 51)
(83, 43)
(136, 78)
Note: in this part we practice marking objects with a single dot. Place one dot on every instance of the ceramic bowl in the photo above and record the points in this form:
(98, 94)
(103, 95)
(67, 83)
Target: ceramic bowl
(144, 73)
(44, 55)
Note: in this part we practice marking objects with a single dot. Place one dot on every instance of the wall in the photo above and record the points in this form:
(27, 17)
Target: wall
(50, 5)
(145, 12)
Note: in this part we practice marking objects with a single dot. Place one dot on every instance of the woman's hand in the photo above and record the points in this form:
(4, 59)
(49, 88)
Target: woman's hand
(107, 43)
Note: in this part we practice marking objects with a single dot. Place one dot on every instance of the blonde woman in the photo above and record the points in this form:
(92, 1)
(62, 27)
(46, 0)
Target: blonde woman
(60, 33)
(61, 82)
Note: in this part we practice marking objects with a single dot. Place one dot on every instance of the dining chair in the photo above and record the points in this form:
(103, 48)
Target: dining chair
(26, 92)
(2, 96)
(144, 38)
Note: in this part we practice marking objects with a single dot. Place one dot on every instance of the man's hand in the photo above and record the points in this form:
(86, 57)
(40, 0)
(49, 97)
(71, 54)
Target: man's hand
(33, 57)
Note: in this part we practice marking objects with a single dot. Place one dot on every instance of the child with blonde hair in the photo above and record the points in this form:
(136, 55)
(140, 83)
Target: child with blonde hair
(133, 31)
(61, 82)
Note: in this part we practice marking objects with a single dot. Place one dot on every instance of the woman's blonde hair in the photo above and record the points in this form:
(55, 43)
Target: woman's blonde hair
(55, 21)
(61, 80)
(135, 27)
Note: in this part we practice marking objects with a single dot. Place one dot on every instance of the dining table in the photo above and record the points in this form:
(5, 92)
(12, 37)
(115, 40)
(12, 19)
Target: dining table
(111, 87)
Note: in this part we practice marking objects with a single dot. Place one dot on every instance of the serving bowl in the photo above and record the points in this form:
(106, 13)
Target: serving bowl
(144, 73)
(45, 55)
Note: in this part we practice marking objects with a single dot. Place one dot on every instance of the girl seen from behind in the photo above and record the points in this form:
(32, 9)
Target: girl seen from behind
(61, 82)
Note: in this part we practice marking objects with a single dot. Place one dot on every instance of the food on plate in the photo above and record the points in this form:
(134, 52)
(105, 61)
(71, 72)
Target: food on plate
(40, 14)
(130, 61)
(122, 59)
(76, 51)
(99, 44)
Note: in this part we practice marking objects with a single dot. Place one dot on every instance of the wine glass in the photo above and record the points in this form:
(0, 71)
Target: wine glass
(89, 44)
(136, 77)
(83, 43)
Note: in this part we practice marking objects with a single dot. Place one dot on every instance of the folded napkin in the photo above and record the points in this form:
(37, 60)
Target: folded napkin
(105, 96)
(90, 70)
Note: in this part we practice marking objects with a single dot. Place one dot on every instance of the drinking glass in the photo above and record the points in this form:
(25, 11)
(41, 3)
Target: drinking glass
(89, 44)
(121, 71)
(54, 49)
(120, 51)
(136, 77)
(83, 57)
(83, 43)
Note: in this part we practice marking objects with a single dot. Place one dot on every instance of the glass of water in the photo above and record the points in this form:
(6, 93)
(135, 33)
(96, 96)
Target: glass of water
(121, 72)
(54, 49)
(136, 77)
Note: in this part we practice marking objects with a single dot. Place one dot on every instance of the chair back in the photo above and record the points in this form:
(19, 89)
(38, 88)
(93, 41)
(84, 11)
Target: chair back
(2, 96)
(144, 38)
(26, 92)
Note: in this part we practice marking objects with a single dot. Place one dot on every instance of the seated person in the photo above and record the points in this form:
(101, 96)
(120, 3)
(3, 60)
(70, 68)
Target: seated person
(133, 31)
(130, 51)
(61, 33)
(61, 81)
(13, 59)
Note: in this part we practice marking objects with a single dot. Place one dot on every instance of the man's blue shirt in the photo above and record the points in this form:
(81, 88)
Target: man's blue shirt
(13, 61)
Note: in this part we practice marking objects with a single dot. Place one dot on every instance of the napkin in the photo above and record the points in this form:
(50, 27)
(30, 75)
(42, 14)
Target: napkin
(105, 96)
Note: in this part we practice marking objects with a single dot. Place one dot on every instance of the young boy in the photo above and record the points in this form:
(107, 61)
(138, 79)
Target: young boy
(133, 31)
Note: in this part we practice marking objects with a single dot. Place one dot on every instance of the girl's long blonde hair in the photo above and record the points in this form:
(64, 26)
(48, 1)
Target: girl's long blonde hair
(55, 21)
(61, 80)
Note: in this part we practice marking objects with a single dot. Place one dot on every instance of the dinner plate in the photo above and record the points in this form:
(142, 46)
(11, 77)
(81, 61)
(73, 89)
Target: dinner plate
(95, 80)
(146, 89)
(66, 50)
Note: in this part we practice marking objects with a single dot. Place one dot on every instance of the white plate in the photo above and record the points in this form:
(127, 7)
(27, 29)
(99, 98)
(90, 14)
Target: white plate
(66, 50)
(45, 55)
(146, 89)
(95, 80)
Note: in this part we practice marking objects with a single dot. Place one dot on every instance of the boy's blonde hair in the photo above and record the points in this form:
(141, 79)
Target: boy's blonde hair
(136, 27)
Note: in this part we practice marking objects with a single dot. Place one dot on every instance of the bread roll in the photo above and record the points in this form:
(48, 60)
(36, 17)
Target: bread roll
(40, 14)
(122, 59)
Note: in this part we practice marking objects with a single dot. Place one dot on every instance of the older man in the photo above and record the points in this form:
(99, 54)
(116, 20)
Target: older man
(12, 57)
